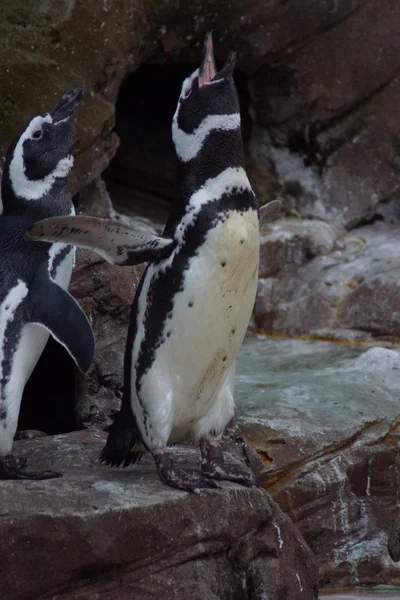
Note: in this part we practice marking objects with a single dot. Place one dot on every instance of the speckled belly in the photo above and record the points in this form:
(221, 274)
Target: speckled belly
(208, 323)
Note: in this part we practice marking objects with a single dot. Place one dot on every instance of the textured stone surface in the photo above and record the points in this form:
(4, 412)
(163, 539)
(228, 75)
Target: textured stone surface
(363, 594)
(324, 418)
(105, 293)
(352, 290)
(108, 533)
(94, 200)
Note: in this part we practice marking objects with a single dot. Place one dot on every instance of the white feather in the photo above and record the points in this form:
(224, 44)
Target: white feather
(211, 190)
(187, 145)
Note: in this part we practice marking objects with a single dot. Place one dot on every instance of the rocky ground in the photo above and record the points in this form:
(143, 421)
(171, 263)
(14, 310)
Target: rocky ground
(102, 533)
(324, 418)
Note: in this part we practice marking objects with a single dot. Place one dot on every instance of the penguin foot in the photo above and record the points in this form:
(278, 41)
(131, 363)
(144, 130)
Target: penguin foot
(13, 468)
(214, 467)
(189, 481)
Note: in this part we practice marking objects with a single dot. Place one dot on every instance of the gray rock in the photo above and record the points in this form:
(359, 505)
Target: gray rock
(293, 242)
(324, 418)
(94, 200)
(354, 288)
(110, 533)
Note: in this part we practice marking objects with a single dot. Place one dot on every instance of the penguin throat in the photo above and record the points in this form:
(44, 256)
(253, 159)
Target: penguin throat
(34, 189)
(208, 73)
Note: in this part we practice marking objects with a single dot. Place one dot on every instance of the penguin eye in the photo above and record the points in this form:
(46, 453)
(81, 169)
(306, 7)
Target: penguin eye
(37, 134)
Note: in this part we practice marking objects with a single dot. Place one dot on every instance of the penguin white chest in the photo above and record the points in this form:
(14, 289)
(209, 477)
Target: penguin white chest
(206, 328)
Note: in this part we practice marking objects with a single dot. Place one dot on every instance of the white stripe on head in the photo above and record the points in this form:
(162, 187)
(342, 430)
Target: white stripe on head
(187, 145)
(33, 189)
(8, 309)
(187, 85)
(211, 190)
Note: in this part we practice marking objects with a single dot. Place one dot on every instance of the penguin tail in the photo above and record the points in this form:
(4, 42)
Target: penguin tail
(124, 444)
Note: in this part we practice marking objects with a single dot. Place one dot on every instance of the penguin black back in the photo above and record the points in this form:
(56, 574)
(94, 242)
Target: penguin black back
(34, 277)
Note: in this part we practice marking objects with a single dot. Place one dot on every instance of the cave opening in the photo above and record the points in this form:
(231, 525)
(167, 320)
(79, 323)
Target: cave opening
(48, 401)
(141, 177)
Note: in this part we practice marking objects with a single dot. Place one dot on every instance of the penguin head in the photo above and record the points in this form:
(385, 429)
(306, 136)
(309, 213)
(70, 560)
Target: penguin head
(208, 102)
(41, 154)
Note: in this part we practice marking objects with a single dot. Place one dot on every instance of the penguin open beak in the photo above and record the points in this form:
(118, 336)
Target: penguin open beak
(66, 106)
(208, 69)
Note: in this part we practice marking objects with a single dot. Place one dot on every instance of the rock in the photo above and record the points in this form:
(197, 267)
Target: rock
(105, 293)
(94, 200)
(103, 533)
(293, 242)
(332, 143)
(56, 46)
(324, 418)
(382, 593)
(353, 290)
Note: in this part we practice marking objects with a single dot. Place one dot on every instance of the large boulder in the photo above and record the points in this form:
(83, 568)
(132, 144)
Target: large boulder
(324, 418)
(109, 533)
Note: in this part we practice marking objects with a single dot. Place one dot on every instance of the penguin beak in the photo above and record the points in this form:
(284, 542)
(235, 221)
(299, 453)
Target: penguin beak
(66, 106)
(208, 69)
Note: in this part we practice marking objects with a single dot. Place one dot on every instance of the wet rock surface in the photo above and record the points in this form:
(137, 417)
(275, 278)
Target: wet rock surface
(324, 418)
(104, 533)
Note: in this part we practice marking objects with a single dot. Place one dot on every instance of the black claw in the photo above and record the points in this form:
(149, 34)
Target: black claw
(13, 468)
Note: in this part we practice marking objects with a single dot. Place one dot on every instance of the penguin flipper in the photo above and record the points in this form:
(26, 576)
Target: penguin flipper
(51, 307)
(269, 212)
(119, 244)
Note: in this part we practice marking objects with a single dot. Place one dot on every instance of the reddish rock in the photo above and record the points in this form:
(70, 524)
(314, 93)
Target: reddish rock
(110, 533)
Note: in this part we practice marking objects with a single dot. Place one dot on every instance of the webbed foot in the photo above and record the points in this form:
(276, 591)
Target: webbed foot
(214, 466)
(170, 474)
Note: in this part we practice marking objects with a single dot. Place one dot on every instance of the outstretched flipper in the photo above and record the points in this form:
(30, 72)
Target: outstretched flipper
(269, 212)
(117, 243)
(56, 310)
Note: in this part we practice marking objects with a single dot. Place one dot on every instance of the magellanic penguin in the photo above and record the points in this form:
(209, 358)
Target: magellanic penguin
(195, 299)
(34, 277)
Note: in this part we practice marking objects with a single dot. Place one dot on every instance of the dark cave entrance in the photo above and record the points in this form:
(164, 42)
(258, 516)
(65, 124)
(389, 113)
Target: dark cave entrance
(48, 402)
(141, 177)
